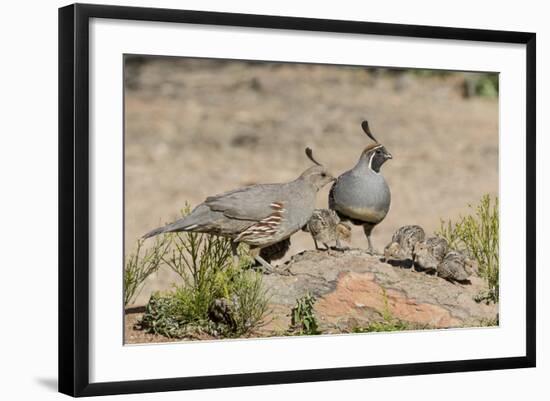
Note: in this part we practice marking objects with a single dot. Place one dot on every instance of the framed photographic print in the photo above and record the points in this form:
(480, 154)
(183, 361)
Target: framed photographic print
(250, 199)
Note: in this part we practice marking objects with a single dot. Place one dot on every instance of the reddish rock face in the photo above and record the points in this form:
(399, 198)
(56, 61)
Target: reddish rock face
(358, 295)
(354, 289)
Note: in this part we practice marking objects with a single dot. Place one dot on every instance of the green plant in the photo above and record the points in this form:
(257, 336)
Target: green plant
(250, 299)
(484, 85)
(489, 322)
(302, 316)
(185, 312)
(394, 325)
(388, 323)
(487, 85)
(138, 267)
(198, 258)
(204, 262)
(161, 316)
(477, 234)
(448, 231)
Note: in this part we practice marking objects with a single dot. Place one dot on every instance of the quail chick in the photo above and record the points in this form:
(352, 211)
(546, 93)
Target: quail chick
(407, 237)
(343, 232)
(456, 267)
(430, 253)
(221, 311)
(401, 247)
(258, 215)
(394, 253)
(325, 227)
(361, 195)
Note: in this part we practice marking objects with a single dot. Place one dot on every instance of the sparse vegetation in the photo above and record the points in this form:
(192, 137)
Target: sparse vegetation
(198, 258)
(393, 325)
(486, 85)
(302, 316)
(477, 234)
(187, 311)
(388, 323)
(204, 262)
(489, 322)
(140, 265)
(473, 84)
(481, 84)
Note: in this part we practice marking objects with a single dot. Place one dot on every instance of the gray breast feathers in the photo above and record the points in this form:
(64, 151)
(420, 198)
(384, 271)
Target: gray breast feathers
(363, 197)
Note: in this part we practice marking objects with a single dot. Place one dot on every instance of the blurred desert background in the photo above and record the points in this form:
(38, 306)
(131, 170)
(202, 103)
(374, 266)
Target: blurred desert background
(198, 127)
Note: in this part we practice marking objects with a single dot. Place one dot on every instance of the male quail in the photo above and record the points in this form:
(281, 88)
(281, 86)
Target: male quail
(456, 267)
(430, 253)
(361, 195)
(401, 247)
(325, 227)
(258, 215)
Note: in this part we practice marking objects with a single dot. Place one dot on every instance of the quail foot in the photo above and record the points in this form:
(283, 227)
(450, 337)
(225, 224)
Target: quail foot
(258, 215)
(361, 195)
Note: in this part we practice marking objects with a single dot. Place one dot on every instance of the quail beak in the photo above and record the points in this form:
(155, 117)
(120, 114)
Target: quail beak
(388, 156)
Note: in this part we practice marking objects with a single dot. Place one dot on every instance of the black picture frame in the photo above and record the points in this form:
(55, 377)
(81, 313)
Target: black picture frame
(74, 198)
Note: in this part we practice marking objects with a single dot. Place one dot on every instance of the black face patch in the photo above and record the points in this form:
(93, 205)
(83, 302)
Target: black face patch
(377, 158)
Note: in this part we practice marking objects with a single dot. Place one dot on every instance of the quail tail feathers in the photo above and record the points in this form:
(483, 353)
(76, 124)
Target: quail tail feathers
(200, 216)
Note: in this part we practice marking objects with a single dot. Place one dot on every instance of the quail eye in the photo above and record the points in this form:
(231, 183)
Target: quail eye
(323, 175)
(378, 151)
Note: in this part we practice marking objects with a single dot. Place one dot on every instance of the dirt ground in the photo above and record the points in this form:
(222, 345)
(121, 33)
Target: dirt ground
(194, 128)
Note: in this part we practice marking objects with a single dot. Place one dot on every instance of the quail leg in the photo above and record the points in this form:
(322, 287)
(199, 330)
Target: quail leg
(327, 248)
(367, 228)
(266, 266)
(339, 246)
(234, 251)
(371, 251)
(316, 245)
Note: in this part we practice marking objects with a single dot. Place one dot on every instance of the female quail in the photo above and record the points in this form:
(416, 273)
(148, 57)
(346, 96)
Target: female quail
(258, 215)
(361, 195)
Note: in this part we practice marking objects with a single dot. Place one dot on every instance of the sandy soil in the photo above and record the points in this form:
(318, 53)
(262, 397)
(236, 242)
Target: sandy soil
(196, 128)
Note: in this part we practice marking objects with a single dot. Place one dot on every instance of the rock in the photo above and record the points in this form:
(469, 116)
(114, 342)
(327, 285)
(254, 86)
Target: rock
(354, 289)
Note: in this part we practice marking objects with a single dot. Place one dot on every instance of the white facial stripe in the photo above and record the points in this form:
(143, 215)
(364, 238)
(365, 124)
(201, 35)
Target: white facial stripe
(370, 162)
(371, 157)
